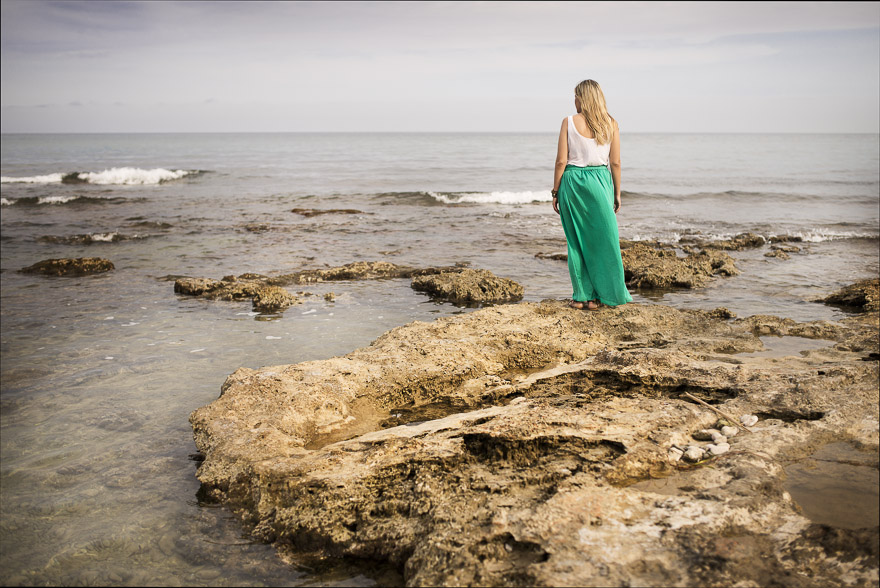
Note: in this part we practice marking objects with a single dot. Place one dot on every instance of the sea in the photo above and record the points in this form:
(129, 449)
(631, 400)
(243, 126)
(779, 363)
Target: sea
(98, 374)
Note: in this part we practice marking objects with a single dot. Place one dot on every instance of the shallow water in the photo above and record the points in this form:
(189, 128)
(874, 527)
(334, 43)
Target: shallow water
(837, 485)
(100, 373)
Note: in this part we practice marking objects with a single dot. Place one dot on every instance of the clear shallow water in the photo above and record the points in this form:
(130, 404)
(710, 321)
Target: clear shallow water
(100, 373)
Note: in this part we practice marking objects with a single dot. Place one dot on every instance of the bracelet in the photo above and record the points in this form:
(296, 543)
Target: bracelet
(554, 193)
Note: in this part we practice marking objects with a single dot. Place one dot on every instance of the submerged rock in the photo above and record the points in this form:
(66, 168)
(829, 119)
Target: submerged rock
(469, 285)
(501, 447)
(864, 295)
(80, 266)
(309, 212)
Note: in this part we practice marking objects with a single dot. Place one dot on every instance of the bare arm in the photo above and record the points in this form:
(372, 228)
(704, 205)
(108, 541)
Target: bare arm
(614, 161)
(561, 161)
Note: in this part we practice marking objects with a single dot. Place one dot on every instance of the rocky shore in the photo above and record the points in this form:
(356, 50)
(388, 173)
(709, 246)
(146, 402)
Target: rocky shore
(457, 283)
(511, 446)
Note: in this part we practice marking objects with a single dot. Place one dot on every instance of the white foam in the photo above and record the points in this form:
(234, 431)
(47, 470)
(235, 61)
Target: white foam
(132, 175)
(55, 199)
(104, 237)
(822, 235)
(493, 197)
(5, 202)
(115, 175)
(47, 179)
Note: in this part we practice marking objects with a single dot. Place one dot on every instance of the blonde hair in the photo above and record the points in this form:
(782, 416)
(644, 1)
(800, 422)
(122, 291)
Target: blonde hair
(591, 103)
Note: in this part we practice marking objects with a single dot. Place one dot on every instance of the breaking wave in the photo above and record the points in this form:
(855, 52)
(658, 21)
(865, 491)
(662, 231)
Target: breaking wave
(58, 199)
(124, 176)
(492, 197)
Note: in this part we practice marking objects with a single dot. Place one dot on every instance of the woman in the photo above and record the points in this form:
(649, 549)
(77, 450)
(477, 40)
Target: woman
(586, 195)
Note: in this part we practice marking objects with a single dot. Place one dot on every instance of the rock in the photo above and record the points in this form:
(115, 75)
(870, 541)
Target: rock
(719, 438)
(778, 253)
(330, 297)
(675, 454)
(310, 212)
(864, 295)
(648, 267)
(694, 454)
(198, 286)
(785, 248)
(469, 285)
(741, 241)
(748, 420)
(273, 299)
(80, 266)
(502, 447)
(559, 256)
(718, 448)
(729, 431)
(705, 434)
(786, 238)
(249, 284)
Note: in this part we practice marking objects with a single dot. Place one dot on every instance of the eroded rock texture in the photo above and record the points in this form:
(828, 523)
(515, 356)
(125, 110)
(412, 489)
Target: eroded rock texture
(268, 293)
(80, 266)
(501, 448)
(469, 286)
(863, 295)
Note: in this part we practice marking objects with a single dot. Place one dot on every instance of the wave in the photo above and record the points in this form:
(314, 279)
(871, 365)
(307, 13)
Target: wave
(90, 238)
(125, 176)
(526, 197)
(58, 199)
(807, 236)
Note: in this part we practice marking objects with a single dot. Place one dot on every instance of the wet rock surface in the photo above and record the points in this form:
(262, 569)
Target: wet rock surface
(80, 266)
(525, 435)
(469, 286)
(646, 266)
(267, 290)
(310, 212)
(655, 265)
(863, 295)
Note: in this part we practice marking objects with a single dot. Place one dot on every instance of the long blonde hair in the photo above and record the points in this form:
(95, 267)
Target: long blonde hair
(591, 103)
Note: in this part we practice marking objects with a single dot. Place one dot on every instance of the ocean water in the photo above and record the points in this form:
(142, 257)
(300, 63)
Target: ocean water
(99, 373)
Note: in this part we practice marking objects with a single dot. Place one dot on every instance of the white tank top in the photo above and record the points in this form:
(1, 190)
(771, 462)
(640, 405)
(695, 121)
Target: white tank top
(584, 152)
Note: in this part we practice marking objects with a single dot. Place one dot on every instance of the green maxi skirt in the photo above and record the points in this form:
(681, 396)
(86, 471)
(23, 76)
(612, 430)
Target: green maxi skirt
(586, 206)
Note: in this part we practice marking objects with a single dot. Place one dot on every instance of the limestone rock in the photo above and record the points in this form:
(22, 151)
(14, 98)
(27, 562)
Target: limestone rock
(80, 266)
(647, 267)
(273, 299)
(505, 447)
(469, 285)
(864, 294)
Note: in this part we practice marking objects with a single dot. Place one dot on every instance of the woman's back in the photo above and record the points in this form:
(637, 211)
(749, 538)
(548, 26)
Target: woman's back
(585, 151)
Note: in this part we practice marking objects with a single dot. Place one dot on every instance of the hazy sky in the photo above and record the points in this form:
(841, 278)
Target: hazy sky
(425, 66)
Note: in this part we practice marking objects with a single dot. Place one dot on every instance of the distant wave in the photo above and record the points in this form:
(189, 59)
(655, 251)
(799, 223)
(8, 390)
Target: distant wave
(58, 199)
(492, 197)
(114, 176)
(807, 236)
(89, 238)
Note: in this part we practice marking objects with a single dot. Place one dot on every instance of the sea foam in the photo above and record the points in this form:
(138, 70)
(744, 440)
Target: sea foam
(112, 176)
(492, 197)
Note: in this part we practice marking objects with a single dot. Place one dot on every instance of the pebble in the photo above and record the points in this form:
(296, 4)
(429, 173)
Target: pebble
(729, 431)
(748, 419)
(719, 438)
(675, 453)
(718, 448)
(705, 434)
(694, 454)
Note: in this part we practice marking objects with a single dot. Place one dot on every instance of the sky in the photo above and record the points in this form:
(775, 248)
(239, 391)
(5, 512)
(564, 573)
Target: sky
(70, 66)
